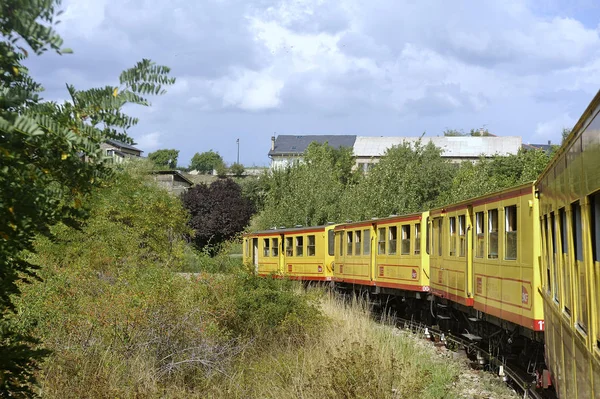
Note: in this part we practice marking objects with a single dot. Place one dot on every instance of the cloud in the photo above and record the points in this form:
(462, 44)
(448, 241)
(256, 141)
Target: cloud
(552, 129)
(253, 67)
(149, 142)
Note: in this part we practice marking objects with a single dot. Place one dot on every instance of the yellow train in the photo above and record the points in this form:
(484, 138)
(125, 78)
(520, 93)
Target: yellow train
(518, 268)
(301, 253)
(569, 199)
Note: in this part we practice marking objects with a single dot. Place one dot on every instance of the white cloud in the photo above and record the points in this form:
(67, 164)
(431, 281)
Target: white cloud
(249, 90)
(551, 129)
(148, 142)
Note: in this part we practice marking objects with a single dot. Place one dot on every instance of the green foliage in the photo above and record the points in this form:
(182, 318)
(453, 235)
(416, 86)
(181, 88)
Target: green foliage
(407, 179)
(237, 169)
(206, 162)
(164, 158)
(489, 175)
(51, 159)
(454, 133)
(565, 134)
(309, 193)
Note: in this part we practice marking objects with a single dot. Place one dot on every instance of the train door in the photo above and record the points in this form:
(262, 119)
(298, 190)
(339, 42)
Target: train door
(255, 254)
(469, 273)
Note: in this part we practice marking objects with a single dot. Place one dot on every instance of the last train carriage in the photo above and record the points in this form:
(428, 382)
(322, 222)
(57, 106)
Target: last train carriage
(569, 197)
(300, 253)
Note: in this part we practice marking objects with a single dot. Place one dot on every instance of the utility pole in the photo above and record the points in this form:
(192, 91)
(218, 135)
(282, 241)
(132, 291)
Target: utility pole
(238, 150)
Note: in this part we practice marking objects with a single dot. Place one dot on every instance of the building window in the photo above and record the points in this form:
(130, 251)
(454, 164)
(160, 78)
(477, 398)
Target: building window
(331, 242)
(493, 234)
(452, 226)
(289, 246)
(580, 270)
(357, 242)
(479, 232)
(566, 267)
(299, 246)
(266, 247)
(310, 246)
(462, 235)
(393, 234)
(275, 247)
(349, 243)
(417, 239)
(366, 242)
(405, 249)
(511, 232)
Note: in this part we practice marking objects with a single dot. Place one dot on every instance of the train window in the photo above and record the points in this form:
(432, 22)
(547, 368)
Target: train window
(357, 242)
(299, 246)
(554, 259)
(417, 239)
(462, 235)
(393, 235)
(566, 268)
(247, 246)
(310, 246)
(427, 235)
(366, 242)
(266, 247)
(381, 241)
(547, 251)
(289, 246)
(341, 242)
(275, 247)
(405, 245)
(480, 240)
(349, 243)
(452, 236)
(595, 233)
(439, 237)
(331, 243)
(580, 270)
(511, 232)
(493, 234)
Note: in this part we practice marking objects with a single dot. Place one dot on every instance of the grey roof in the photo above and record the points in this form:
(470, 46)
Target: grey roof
(121, 144)
(453, 147)
(290, 144)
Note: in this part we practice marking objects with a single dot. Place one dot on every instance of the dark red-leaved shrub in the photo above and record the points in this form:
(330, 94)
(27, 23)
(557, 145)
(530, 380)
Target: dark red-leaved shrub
(218, 212)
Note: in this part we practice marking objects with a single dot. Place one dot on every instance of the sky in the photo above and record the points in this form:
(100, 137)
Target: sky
(251, 69)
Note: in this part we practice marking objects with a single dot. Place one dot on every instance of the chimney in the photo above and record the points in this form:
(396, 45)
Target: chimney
(549, 142)
(272, 143)
(481, 130)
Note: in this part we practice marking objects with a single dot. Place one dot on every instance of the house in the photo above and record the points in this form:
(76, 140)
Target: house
(172, 180)
(369, 150)
(287, 149)
(119, 151)
(547, 148)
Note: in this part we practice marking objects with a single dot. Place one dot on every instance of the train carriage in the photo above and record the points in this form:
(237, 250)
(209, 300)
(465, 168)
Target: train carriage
(569, 195)
(383, 253)
(484, 254)
(301, 253)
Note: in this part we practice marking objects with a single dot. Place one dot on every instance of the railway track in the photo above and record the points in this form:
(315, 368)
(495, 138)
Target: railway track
(511, 374)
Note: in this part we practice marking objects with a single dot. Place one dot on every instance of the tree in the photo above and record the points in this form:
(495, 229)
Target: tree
(237, 169)
(454, 133)
(565, 134)
(309, 193)
(206, 162)
(217, 212)
(408, 178)
(164, 158)
(51, 160)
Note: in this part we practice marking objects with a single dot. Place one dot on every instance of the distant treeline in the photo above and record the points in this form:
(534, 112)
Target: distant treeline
(326, 188)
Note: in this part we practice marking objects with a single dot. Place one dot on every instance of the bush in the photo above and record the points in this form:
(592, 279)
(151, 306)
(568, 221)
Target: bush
(218, 212)
(237, 169)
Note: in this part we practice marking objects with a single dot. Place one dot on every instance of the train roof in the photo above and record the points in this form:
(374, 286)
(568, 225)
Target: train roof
(521, 189)
(299, 229)
(586, 118)
(383, 220)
